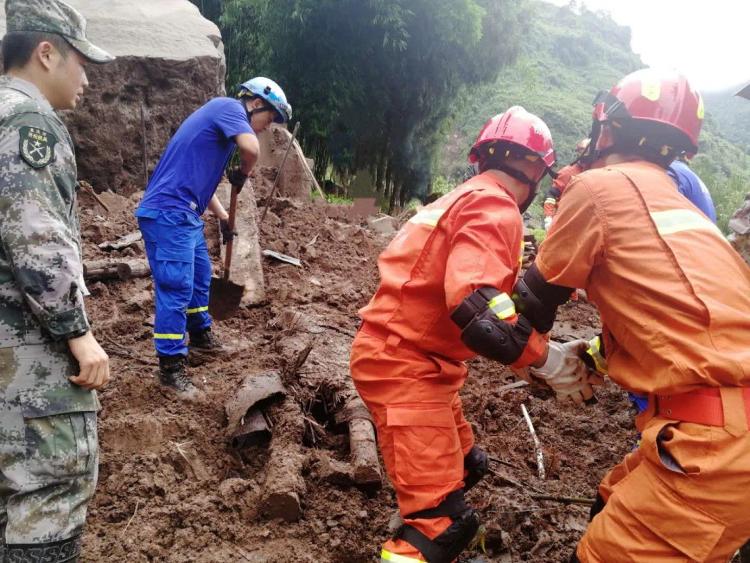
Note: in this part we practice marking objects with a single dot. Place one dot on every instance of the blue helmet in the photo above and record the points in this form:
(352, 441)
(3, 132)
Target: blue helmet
(272, 93)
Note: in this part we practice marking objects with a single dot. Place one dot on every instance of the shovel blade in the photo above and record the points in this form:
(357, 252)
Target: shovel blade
(224, 299)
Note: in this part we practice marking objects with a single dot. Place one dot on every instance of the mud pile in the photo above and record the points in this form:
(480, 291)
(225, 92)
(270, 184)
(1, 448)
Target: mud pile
(171, 489)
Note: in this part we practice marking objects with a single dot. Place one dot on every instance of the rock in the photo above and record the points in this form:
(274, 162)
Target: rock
(294, 181)
(385, 225)
(739, 225)
(170, 61)
(247, 268)
(333, 471)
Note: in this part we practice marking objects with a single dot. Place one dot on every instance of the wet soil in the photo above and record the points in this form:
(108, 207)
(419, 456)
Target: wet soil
(171, 488)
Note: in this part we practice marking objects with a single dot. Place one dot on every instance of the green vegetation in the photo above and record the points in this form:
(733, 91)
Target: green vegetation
(400, 88)
(730, 115)
(373, 81)
(569, 55)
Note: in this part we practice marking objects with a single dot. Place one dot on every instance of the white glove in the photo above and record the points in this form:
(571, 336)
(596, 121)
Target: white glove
(547, 223)
(565, 372)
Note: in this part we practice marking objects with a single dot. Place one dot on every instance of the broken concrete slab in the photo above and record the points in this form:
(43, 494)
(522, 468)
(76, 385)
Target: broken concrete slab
(122, 242)
(247, 268)
(257, 390)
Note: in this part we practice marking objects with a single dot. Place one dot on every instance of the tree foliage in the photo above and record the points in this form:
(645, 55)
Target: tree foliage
(373, 81)
(568, 56)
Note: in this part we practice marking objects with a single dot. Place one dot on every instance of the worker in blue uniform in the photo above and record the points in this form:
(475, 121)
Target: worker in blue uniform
(181, 188)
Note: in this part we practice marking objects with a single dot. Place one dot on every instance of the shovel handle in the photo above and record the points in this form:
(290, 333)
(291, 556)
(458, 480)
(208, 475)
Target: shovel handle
(232, 214)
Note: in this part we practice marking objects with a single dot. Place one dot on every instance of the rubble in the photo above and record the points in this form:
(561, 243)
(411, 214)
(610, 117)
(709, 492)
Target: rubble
(311, 457)
(739, 225)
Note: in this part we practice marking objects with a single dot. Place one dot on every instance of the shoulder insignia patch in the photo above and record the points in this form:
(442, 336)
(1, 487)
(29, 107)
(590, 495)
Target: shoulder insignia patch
(37, 146)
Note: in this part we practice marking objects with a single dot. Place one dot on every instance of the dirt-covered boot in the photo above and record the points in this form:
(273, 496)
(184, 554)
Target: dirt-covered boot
(205, 341)
(173, 374)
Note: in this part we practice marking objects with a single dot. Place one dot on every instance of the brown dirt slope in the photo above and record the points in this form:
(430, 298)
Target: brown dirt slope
(171, 489)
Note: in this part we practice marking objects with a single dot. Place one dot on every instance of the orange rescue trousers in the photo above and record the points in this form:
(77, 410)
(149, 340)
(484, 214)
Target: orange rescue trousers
(422, 433)
(684, 495)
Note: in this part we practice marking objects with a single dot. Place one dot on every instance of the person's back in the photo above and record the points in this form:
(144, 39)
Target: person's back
(423, 268)
(195, 158)
(655, 256)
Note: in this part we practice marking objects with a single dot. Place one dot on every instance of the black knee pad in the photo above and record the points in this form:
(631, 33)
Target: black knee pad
(448, 545)
(476, 465)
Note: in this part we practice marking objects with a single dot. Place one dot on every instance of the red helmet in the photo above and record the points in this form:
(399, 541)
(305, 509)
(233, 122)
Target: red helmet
(661, 103)
(517, 127)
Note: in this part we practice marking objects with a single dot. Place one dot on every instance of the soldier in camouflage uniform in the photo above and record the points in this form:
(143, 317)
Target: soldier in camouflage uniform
(50, 363)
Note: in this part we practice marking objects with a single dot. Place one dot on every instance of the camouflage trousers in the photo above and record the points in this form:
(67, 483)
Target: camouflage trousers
(48, 454)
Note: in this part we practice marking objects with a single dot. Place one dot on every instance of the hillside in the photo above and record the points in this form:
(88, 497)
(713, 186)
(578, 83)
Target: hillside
(731, 115)
(566, 59)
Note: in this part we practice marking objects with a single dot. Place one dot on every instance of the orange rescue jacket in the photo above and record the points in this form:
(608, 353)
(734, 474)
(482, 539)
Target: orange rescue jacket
(467, 239)
(673, 295)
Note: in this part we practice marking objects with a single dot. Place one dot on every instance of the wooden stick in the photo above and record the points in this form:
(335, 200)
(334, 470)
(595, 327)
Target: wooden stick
(278, 174)
(537, 444)
(565, 500)
(298, 149)
(514, 385)
(125, 529)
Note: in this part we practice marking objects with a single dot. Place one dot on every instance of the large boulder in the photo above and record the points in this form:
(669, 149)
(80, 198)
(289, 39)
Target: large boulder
(170, 60)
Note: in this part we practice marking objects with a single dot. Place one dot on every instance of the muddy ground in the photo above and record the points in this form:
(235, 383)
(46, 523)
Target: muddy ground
(171, 489)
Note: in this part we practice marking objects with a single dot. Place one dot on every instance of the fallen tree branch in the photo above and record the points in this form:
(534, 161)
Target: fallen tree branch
(565, 500)
(514, 385)
(537, 444)
(116, 269)
(125, 353)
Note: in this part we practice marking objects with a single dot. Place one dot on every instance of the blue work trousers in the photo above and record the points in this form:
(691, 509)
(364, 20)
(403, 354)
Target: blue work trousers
(181, 269)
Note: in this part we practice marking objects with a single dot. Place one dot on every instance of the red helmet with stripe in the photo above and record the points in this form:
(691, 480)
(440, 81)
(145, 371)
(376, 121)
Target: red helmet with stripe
(663, 107)
(516, 127)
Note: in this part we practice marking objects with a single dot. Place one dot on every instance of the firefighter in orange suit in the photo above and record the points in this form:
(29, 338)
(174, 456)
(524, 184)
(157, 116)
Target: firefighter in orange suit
(442, 299)
(561, 180)
(674, 299)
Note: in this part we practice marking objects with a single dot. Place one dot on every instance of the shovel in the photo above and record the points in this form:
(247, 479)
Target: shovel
(225, 296)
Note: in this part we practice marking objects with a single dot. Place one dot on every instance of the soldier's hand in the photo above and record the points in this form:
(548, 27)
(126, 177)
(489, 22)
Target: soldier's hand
(93, 362)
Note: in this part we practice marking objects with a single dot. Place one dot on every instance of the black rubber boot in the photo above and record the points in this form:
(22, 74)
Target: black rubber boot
(65, 551)
(745, 553)
(173, 374)
(205, 341)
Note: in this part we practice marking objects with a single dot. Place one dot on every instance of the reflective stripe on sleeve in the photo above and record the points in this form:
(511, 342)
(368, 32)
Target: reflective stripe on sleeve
(679, 220)
(594, 350)
(386, 555)
(429, 217)
(502, 305)
(166, 336)
(197, 310)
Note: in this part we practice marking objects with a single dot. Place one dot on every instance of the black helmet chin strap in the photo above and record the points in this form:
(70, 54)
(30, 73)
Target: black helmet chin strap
(524, 179)
(251, 112)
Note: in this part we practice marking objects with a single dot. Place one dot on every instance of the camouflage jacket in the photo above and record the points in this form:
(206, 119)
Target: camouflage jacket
(41, 267)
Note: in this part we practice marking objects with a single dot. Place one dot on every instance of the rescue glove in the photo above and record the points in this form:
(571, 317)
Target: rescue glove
(236, 177)
(227, 233)
(565, 372)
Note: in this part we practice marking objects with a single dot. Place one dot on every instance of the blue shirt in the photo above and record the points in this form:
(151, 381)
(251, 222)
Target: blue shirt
(692, 187)
(192, 164)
